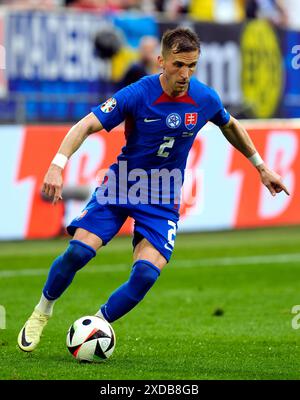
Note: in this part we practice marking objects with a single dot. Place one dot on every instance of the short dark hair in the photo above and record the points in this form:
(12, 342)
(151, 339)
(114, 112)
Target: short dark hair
(180, 40)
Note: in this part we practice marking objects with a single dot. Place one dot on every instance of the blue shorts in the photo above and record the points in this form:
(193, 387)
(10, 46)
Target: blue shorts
(157, 225)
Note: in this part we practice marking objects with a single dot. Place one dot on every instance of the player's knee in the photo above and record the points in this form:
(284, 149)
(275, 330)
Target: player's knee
(78, 254)
(143, 276)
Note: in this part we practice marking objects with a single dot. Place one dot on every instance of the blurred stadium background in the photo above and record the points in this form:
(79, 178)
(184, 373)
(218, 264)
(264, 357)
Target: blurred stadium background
(59, 58)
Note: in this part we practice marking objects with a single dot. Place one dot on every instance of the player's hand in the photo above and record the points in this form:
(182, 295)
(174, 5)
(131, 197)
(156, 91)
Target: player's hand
(272, 180)
(53, 183)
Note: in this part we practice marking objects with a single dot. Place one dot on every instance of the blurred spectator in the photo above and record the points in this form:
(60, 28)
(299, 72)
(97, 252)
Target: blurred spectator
(147, 63)
(131, 4)
(33, 4)
(171, 8)
(104, 5)
(292, 9)
(217, 10)
(203, 10)
(97, 5)
(272, 10)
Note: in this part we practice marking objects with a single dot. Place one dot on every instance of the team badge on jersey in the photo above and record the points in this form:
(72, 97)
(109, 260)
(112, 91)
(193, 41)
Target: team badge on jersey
(173, 120)
(109, 105)
(190, 120)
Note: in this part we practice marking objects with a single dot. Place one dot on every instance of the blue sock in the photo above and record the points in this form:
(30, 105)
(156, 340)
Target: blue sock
(142, 278)
(64, 268)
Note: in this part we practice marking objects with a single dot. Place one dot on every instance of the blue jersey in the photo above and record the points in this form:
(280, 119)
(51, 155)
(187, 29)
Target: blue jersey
(160, 129)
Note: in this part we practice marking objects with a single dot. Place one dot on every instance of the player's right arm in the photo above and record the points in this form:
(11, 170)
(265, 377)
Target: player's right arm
(53, 181)
(105, 116)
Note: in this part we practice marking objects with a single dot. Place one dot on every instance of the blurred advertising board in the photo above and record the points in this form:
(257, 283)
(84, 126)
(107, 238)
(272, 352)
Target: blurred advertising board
(254, 66)
(3, 77)
(53, 73)
(222, 190)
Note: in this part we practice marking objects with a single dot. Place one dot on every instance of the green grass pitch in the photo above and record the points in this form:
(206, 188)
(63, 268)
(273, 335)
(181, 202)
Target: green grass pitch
(220, 310)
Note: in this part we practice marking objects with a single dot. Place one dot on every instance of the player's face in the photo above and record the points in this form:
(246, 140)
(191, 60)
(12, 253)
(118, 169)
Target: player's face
(177, 70)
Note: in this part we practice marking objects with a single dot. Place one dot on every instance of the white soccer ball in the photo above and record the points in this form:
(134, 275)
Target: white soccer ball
(91, 339)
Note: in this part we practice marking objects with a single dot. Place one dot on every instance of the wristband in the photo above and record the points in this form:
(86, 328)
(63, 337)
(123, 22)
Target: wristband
(60, 160)
(256, 159)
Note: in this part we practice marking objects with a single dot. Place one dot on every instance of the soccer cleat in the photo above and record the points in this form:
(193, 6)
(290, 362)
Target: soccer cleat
(31, 332)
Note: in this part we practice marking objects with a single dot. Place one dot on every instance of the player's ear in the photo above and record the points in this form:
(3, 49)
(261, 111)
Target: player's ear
(161, 61)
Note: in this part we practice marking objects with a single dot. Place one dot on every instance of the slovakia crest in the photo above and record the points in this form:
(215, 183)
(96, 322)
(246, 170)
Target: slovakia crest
(109, 105)
(190, 120)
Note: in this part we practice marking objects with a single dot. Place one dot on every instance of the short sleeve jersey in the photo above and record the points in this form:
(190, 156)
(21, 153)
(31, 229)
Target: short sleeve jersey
(160, 129)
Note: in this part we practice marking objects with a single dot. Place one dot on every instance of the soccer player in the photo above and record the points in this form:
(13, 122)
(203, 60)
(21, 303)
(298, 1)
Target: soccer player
(163, 114)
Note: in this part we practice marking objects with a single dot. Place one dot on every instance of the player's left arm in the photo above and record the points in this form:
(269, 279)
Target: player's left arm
(237, 135)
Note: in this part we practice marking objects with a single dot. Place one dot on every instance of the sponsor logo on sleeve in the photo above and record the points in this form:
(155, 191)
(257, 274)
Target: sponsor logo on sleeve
(109, 105)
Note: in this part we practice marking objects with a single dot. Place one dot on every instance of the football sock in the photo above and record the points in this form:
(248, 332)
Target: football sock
(142, 278)
(64, 268)
(45, 306)
(99, 314)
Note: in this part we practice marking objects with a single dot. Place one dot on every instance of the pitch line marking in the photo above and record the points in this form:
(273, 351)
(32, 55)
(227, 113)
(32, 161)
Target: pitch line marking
(205, 262)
